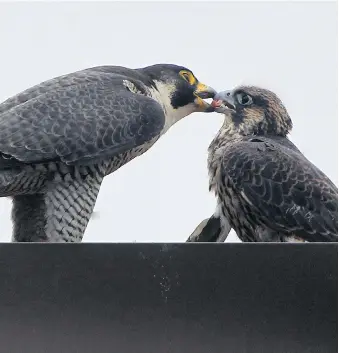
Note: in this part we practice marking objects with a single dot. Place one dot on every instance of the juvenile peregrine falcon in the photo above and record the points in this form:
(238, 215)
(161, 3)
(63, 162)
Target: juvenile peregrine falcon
(266, 189)
(59, 139)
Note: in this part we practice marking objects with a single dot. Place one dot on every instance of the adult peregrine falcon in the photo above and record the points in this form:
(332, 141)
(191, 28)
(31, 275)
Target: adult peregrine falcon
(59, 139)
(266, 189)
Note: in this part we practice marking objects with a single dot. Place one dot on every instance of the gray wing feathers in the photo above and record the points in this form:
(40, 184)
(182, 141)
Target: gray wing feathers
(282, 189)
(48, 86)
(91, 75)
(77, 118)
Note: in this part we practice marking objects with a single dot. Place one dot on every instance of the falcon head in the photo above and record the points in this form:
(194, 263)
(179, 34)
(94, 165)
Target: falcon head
(253, 110)
(180, 89)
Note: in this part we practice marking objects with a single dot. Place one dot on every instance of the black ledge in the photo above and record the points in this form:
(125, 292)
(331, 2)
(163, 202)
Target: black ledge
(169, 298)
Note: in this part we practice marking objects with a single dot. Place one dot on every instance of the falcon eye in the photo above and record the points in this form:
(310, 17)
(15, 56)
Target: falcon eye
(188, 77)
(244, 99)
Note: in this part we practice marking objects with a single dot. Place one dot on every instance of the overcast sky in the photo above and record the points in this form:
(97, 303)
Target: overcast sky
(290, 48)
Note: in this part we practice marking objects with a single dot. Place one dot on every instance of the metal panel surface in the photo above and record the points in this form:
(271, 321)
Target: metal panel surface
(157, 298)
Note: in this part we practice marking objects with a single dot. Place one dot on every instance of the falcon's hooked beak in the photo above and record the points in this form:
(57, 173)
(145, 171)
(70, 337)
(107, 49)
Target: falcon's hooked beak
(203, 92)
(223, 102)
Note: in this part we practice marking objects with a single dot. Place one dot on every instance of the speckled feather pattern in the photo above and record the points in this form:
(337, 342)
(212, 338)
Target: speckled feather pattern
(266, 189)
(269, 191)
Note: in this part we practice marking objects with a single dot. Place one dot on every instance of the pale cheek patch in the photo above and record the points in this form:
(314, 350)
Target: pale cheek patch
(254, 115)
(163, 95)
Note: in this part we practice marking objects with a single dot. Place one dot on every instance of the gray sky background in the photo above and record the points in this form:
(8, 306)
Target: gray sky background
(290, 48)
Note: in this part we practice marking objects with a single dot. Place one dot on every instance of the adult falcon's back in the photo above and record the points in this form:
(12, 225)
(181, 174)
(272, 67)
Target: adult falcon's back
(59, 139)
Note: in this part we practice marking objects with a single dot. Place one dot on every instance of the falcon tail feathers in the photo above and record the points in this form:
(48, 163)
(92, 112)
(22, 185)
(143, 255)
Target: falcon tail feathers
(209, 230)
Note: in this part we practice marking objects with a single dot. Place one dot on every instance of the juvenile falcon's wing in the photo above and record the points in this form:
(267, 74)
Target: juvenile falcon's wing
(282, 189)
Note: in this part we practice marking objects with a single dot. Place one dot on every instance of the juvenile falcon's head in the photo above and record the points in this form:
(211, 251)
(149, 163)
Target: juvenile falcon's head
(178, 89)
(253, 110)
